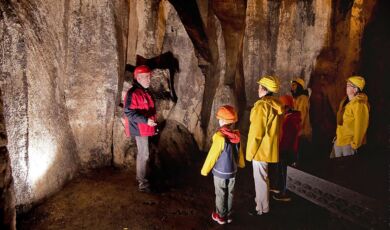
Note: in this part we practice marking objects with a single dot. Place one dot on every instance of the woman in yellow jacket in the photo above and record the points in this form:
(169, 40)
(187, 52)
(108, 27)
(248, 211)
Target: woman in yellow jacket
(263, 139)
(302, 104)
(352, 118)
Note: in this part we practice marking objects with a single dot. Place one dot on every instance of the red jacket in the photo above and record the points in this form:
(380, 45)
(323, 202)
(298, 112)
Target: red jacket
(291, 125)
(138, 108)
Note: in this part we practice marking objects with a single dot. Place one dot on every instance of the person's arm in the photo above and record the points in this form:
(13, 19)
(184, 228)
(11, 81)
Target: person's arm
(361, 113)
(303, 107)
(130, 111)
(241, 160)
(213, 155)
(256, 133)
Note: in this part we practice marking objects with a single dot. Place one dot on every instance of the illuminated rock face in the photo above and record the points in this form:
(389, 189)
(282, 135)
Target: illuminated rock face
(62, 65)
(283, 38)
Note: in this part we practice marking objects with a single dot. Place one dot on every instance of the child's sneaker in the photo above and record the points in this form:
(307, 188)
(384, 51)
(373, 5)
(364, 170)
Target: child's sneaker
(282, 197)
(218, 218)
(229, 219)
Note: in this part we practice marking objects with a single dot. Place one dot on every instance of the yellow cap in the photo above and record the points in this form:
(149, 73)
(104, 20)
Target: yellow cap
(299, 81)
(271, 83)
(357, 81)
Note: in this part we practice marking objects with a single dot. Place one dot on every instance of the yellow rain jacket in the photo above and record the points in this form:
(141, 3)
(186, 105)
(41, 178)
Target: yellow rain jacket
(264, 130)
(214, 153)
(302, 104)
(352, 121)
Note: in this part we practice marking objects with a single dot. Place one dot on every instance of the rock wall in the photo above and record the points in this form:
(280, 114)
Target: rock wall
(94, 63)
(283, 38)
(60, 67)
(7, 193)
(163, 43)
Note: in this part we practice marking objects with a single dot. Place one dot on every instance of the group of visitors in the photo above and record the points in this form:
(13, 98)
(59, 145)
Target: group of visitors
(278, 125)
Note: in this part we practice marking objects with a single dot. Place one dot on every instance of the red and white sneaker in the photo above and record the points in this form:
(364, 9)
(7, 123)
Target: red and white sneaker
(218, 218)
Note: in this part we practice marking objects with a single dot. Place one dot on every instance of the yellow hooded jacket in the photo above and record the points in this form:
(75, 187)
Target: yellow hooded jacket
(302, 104)
(263, 136)
(352, 121)
(214, 153)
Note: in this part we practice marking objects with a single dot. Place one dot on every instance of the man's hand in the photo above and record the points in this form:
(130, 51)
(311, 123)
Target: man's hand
(151, 122)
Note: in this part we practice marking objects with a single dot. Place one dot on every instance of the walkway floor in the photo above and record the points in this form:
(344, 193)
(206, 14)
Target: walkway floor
(108, 199)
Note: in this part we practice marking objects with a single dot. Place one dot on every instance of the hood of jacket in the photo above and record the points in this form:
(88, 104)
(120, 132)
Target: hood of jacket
(360, 97)
(274, 103)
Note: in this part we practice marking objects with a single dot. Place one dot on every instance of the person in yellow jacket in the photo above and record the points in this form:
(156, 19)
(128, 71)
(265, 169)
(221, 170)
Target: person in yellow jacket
(352, 118)
(224, 157)
(263, 139)
(302, 104)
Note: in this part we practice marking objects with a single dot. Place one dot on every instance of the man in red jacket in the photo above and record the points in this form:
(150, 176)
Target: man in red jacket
(288, 145)
(140, 121)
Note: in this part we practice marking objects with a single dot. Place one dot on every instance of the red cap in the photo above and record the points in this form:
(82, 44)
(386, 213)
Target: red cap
(141, 69)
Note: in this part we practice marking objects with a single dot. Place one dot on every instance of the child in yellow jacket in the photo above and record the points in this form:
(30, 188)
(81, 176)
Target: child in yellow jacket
(223, 158)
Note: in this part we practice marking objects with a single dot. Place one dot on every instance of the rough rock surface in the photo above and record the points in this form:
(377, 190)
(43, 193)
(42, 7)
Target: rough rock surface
(60, 70)
(283, 38)
(94, 63)
(7, 193)
(161, 31)
(189, 81)
(176, 150)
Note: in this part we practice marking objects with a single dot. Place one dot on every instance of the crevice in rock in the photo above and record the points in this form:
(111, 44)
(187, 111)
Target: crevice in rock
(188, 12)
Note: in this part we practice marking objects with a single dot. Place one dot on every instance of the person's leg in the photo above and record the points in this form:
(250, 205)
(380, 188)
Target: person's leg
(142, 162)
(260, 175)
(343, 151)
(231, 184)
(283, 176)
(348, 150)
(280, 172)
(338, 150)
(273, 175)
(220, 196)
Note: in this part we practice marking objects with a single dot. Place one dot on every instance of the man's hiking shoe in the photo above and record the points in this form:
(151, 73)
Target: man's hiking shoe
(282, 197)
(218, 218)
